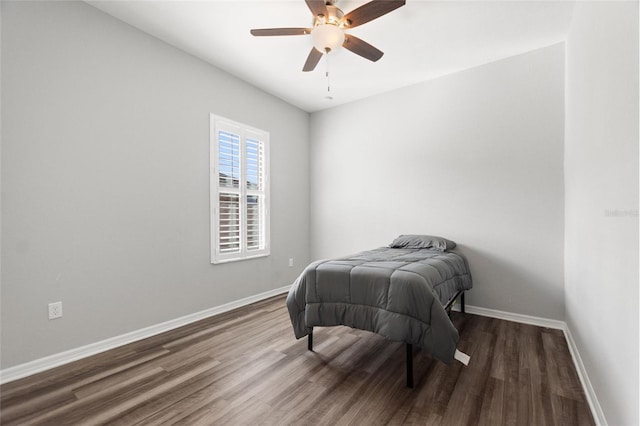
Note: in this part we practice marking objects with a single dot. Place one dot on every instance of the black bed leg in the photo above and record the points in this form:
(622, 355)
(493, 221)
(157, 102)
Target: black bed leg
(462, 302)
(409, 365)
(310, 341)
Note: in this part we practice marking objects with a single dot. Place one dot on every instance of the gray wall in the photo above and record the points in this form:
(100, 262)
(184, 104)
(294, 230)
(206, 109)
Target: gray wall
(105, 180)
(601, 185)
(476, 156)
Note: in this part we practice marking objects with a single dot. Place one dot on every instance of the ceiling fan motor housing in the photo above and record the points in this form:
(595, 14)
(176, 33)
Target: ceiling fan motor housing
(334, 16)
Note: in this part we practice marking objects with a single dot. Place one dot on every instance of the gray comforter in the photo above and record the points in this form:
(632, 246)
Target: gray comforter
(398, 293)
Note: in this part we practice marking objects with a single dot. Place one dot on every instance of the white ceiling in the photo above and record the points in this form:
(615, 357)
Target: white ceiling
(421, 40)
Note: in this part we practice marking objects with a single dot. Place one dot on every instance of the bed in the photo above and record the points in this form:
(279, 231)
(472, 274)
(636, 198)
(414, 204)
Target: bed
(403, 291)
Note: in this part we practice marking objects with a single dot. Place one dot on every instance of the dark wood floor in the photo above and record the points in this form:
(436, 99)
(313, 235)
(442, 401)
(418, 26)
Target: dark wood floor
(245, 367)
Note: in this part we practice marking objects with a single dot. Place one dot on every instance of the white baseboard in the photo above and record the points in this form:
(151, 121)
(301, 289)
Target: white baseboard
(509, 316)
(56, 360)
(592, 400)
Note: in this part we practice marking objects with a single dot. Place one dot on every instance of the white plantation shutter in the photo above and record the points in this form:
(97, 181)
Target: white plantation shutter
(228, 202)
(255, 223)
(229, 223)
(255, 195)
(254, 164)
(228, 159)
(239, 191)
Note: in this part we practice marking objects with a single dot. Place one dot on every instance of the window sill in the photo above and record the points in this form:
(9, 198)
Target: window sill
(238, 259)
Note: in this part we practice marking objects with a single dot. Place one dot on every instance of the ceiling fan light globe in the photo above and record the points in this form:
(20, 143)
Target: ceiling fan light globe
(327, 37)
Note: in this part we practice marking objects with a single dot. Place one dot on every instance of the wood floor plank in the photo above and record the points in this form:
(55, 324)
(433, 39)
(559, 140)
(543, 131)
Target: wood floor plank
(246, 367)
(466, 399)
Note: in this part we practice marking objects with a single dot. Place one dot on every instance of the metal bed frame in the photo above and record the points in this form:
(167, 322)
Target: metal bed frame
(447, 308)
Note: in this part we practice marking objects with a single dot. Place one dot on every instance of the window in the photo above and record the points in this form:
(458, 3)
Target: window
(239, 173)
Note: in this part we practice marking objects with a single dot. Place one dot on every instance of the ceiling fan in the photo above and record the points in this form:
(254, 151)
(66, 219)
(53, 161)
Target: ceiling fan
(329, 27)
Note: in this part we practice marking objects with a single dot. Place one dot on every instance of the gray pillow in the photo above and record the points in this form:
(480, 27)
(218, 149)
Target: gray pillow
(422, 242)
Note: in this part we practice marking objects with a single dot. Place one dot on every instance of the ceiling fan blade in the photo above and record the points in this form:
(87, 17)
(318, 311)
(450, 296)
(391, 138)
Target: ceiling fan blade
(317, 7)
(362, 48)
(312, 60)
(370, 11)
(280, 31)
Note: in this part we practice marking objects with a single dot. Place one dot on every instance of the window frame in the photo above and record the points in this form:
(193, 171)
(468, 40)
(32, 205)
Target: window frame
(245, 132)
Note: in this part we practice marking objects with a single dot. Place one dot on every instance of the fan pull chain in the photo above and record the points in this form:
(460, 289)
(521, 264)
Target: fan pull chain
(327, 75)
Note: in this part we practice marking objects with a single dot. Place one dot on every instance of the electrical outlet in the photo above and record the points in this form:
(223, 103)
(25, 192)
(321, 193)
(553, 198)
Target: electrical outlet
(290, 262)
(55, 310)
